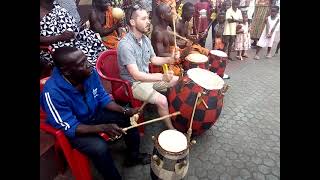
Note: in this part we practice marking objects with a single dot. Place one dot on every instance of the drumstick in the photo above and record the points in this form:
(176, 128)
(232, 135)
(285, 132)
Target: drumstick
(191, 120)
(177, 35)
(204, 103)
(151, 121)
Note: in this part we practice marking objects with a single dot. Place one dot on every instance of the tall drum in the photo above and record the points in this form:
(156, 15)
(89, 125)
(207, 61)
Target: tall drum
(217, 62)
(182, 98)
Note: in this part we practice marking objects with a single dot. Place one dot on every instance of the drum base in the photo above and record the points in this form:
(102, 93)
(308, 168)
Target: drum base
(154, 177)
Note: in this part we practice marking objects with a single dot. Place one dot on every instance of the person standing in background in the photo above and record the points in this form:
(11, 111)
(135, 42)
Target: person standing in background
(260, 14)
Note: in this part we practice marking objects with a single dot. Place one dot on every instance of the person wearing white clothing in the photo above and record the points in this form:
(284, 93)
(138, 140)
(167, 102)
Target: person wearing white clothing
(268, 35)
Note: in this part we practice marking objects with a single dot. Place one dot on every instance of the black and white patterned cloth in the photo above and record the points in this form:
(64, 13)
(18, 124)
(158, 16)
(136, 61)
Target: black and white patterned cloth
(59, 20)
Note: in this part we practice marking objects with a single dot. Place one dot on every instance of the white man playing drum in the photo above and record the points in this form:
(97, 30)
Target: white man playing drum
(135, 52)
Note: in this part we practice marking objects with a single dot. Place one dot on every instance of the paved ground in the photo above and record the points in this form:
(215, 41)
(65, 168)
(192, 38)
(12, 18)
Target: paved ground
(245, 141)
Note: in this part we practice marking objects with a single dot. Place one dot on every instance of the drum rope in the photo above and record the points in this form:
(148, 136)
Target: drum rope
(191, 120)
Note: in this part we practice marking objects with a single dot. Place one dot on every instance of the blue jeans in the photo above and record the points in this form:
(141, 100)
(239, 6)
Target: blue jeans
(96, 148)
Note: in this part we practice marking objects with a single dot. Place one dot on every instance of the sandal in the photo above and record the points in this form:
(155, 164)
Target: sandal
(256, 57)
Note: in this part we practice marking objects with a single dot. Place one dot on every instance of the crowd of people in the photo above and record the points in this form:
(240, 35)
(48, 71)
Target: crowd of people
(74, 98)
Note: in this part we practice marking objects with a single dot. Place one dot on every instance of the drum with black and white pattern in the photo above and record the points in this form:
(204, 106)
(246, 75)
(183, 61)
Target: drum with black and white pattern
(170, 159)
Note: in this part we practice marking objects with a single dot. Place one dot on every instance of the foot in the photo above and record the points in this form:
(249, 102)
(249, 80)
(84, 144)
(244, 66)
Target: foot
(142, 158)
(239, 57)
(275, 55)
(256, 57)
(268, 56)
(245, 56)
(226, 76)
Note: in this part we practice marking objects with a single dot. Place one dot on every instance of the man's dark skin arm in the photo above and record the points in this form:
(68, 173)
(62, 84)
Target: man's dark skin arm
(97, 27)
(111, 129)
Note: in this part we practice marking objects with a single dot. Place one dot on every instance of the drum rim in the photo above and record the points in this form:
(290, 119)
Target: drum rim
(199, 62)
(200, 69)
(168, 152)
(212, 52)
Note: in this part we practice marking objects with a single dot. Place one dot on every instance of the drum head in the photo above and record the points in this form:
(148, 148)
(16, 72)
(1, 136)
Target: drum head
(205, 78)
(197, 58)
(218, 53)
(172, 141)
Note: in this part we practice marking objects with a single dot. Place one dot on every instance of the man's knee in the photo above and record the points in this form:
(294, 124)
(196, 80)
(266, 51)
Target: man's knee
(99, 147)
(162, 101)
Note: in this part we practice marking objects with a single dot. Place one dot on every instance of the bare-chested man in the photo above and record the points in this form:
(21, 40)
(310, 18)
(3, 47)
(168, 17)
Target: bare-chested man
(183, 24)
(161, 39)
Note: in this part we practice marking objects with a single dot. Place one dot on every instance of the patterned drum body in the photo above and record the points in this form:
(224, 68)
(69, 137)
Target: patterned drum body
(217, 62)
(166, 165)
(182, 98)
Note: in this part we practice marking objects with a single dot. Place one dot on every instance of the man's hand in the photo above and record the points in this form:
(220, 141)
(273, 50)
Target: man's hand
(66, 35)
(131, 111)
(112, 130)
(176, 55)
(167, 76)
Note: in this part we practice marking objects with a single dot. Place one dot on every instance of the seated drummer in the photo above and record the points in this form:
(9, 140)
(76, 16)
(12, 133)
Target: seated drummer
(182, 30)
(102, 22)
(163, 41)
(135, 52)
(75, 102)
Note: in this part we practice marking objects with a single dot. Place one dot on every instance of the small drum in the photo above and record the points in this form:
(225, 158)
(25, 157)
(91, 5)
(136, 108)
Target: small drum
(170, 159)
(217, 62)
(195, 61)
(182, 98)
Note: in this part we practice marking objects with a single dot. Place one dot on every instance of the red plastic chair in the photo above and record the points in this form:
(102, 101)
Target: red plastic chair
(77, 161)
(108, 70)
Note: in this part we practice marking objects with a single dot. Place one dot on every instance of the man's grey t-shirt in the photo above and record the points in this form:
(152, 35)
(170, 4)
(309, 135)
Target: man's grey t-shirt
(131, 51)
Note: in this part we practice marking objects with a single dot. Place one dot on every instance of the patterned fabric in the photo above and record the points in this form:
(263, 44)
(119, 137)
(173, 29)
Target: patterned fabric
(201, 21)
(59, 20)
(260, 14)
(182, 98)
(242, 41)
(111, 41)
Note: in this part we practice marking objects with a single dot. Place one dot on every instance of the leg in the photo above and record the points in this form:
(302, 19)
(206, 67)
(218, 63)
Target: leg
(278, 47)
(142, 91)
(269, 52)
(97, 150)
(132, 138)
(230, 47)
(257, 53)
(226, 43)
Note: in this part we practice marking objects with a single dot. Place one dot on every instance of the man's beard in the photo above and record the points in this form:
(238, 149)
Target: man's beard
(142, 30)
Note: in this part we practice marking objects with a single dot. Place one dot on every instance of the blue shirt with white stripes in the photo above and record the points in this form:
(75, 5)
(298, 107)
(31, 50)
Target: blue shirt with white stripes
(67, 107)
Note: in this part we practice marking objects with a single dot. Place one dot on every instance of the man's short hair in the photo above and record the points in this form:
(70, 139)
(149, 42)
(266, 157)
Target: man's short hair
(59, 54)
(131, 10)
(186, 6)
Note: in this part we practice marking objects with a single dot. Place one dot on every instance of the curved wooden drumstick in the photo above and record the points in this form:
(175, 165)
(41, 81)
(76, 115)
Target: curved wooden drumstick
(151, 121)
(177, 35)
(191, 120)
